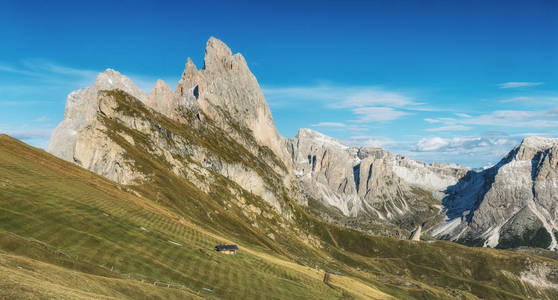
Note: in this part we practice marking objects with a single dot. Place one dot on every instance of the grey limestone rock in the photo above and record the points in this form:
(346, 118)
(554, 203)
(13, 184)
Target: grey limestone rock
(81, 109)
(496, 205)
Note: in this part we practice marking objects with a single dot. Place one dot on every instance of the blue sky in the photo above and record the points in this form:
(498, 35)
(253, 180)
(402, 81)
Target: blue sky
(455, 81)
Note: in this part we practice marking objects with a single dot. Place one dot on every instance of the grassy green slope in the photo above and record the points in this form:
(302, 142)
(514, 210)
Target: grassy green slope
(60, 218)
(56, 213)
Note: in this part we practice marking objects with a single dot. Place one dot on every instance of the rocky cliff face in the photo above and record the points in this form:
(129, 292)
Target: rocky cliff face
(370, 182)
(511, 204)
(221, 100)
(162, 99)
(226, 91)
(81, 107)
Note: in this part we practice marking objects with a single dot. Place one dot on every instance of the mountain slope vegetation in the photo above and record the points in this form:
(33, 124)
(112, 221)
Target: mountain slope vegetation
(59, 218)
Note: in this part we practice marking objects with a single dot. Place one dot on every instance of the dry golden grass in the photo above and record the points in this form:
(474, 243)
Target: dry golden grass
(25, 278)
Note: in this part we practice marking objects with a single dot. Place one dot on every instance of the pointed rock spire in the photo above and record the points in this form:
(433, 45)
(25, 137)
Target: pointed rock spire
(215, 53)
(160, 98)
(219, 58)
(187, 90)
(160, 88)
(189, 71)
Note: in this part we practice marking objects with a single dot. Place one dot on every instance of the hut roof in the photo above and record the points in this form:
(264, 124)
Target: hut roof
(226, 247)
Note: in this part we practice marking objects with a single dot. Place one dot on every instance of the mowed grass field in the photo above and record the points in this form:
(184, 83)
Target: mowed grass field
(68, 233)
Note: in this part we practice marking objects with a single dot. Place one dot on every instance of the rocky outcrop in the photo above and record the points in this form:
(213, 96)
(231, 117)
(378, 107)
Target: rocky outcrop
(81, 110)
(226, 91)
(325, 166)
(415, 235)
(161, 99)
(511, 204)
(125, 133)
(368, 181)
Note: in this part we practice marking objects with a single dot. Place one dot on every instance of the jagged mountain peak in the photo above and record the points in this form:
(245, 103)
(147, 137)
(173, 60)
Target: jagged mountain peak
(161, 84)
(509, 205)
(538, 142)
(228, 92)
(189, 70)
(111, 79)
(161, 87)
(529, 149)
(161, 97)
(218, 57)
(110, 72)
(319, 138)
(216, 48)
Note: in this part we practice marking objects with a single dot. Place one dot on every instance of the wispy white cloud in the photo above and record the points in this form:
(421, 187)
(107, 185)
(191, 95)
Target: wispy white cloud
(372, 141)
(449, 128)
(504, 118)
(40, 67)
(549, 100)
(375, 97)
(431, 144)
(14, 70)
(23, 102)
(518, 99)
(481, 150)
(41, 119)
(28, 133)
(517, 118)
(329, 124)
(473, 150)
(377, 114)
(430, 120)
(542, 134)
(465, 144)
(356, 128)
(44, 72)
(47, 72)
(518, 84)
(341, 96)
(367, 103)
